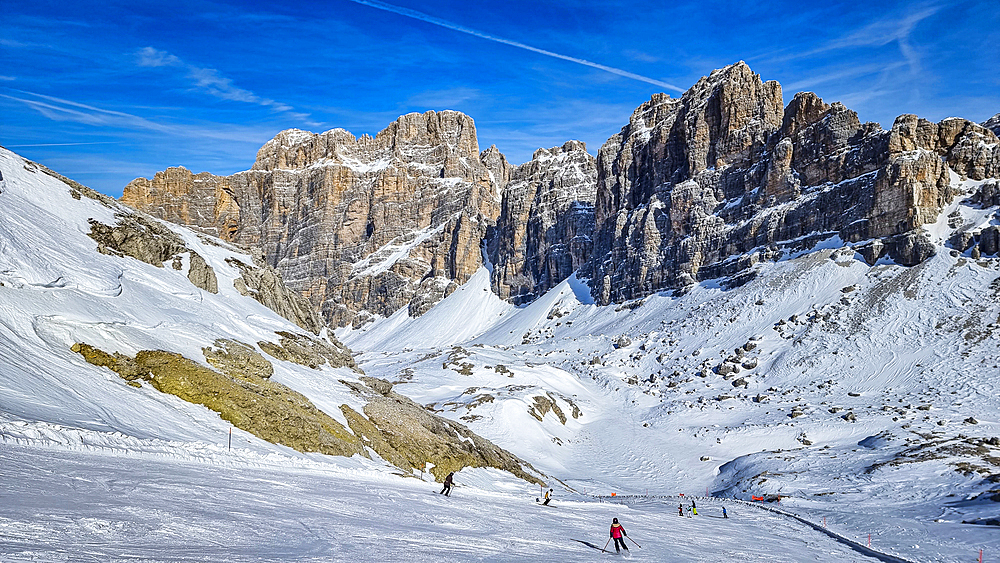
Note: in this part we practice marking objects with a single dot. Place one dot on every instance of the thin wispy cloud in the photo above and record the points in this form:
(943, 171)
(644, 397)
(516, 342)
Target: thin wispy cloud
(878, 33)
(59, 109)
(414, 14)
(886, 31)
(212, 82)
(843, 74)
(7, 78)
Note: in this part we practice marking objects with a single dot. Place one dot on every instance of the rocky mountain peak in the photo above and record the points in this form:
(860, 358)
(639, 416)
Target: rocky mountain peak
(498, 167)
(701, 186)
(706, 185)
(362, 226)
(725, 118)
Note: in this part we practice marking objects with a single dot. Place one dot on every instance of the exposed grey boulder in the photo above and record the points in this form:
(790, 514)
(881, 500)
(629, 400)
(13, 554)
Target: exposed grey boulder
(146, 240)
(201, 274)
(310, 351)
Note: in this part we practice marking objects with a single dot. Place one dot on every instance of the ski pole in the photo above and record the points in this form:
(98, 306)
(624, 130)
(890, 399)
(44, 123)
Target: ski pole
(606, 544)
(633, 541)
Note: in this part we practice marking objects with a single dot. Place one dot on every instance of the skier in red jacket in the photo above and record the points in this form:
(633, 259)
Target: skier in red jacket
(618, 533)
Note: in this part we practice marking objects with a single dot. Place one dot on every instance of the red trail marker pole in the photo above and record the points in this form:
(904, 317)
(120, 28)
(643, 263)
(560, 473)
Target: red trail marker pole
(230, 438)
(869, 540)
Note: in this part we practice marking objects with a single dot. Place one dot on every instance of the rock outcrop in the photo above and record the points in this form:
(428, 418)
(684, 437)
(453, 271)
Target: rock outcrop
(153, 243)
(704, 186)
(310, 352)
(360, 226)
(241, 391)
(707, 185)
(408, 436)
(264, 284)
(546, 221)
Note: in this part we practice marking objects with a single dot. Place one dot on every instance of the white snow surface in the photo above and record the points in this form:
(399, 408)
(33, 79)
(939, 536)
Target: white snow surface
(621, 400)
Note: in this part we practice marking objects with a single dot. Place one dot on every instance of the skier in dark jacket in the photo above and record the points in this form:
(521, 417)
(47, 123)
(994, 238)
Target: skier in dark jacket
(680, 510)
(618, 533)
(448, 482)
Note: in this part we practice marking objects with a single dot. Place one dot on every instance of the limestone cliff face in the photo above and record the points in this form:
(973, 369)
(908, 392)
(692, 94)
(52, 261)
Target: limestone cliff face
(546, 221)
(709, 184)
(359, 226)
(699, 187)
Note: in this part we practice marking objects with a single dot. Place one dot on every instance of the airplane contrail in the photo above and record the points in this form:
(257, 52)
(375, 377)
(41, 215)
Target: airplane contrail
(455, 27)
(63, 144)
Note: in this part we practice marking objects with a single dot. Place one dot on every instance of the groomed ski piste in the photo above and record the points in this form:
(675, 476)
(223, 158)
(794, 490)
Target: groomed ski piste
(622, 400)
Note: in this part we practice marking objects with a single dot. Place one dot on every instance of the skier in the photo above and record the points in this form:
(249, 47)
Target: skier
(694, 509)
(680, 509)
(724, 515)
(548, 497)
(618, 533)
(448, 482)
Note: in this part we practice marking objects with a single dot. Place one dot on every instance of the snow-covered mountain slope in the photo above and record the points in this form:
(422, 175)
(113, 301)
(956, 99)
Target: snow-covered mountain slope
(135, 340)
(635, 399)
(866, 394)
(56, 290)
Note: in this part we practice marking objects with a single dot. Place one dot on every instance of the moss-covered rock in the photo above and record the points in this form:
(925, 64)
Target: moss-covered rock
(266, 409)
(404, 432)
(309, 351)
(237, 360)
(401, 431)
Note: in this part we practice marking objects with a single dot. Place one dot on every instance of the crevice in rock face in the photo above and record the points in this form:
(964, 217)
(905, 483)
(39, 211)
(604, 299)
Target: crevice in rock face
(546, 224)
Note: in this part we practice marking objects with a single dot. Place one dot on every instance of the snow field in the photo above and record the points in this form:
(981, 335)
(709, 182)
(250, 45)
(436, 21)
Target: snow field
(106, 508)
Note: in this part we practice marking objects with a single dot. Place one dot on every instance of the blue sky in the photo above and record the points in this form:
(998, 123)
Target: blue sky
(104, 92)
